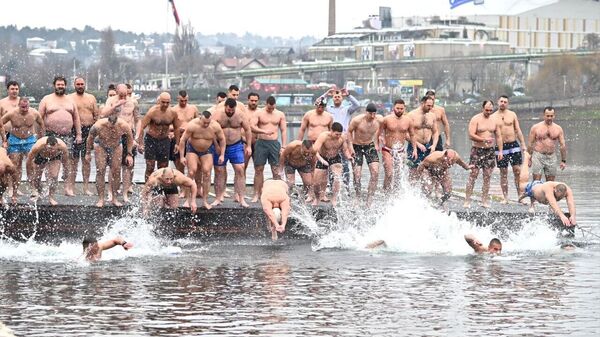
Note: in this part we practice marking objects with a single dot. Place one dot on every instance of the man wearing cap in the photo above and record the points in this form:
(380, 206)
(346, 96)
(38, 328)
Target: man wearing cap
(363, 138)
(315, 121)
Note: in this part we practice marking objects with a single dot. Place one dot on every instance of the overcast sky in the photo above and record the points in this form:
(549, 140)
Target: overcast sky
(262, 17)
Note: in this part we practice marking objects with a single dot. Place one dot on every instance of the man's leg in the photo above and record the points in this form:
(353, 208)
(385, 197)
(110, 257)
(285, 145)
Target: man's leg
(356, 171)
(100, 173)
(258, 182)
(206, 162)
(53, 170)
(115, 172)
(336, 169)
(320, 182)
(374, 171)
(524, 175)
(470, 184)
(240, 184)
(485, 193)
(504, 184)
(149, 168)
(86, 170)
(17, 159)
(517, 177)
(308, 186)
(388, 168)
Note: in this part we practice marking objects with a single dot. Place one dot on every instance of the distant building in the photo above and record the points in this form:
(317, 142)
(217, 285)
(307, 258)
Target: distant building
(228, 64)
(38, 42)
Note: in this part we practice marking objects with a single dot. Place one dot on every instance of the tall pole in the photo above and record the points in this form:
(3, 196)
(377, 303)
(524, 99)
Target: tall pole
(166, 80)
(331, 27)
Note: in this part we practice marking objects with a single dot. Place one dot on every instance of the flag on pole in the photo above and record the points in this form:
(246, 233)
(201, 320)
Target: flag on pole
(175, 15)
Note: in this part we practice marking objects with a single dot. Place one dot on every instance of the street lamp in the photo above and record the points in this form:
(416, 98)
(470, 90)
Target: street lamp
(564, 85)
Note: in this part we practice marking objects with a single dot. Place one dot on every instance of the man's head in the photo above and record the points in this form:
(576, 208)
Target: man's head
(90, 243)
(336, 129)
(431, 93)
(221, 96)
(129, 89)
(23, 105)
(122, 91)
(60, 85)
(79, 85)
(253, 100)
(164, 100)
(488, 108)
(230, 104)
(112, 118)
(320, 105)
(307, 144)
(111, 93)
(426, 104)
(371, 111)
(399, 107)
(495, 246)
(182, 98)
(167, 176)
(51, 141)
(549, 115)
(337, 98)
(560, 191)
(270, 106)
(233, 92)
(205, 118)
(449, 156)
(502, 102)
(12, 88)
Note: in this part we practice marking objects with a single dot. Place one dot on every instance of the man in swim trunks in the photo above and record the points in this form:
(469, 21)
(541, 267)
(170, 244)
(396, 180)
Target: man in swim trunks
(7, 104)
(547, 193)
(425, 130)
(196, 148)
(299, 156)
(269, 123)
(442, 123)
(494, 247)
(24, 120)
(251, 114)
(329, 149)
(363, 137)
(542, 147)
(185, 112)
(92, 249)
(161, 190)
(47, 152)
(105, 139)
(61, 119)
(511, 131)
(233, 123)
(483, 131)
(395, 132)
(7, 169)
(275, 195)
(156, 143)
(87, 108)
(437, 165)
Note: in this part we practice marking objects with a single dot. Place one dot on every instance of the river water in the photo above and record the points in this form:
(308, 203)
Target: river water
(426, 282)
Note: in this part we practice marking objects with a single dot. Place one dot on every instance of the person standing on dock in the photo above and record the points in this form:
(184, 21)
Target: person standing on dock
(48, 152)
(330, 147)
(363, 138)
(425, 131)
(7, 170)
(161, 190)
(483, 131)
(512, 149)
(105, 139)
(155, 144)
(233, 122)
(275, 203)
(24, 120)
(251, 114)
(185, 112)
(196, 149)
(61, 118)
(442, 124)
(7, 104)
(269, 121)
(126, 108)
(315, 121)
(542, 147)
(87, 108)
(396, 130)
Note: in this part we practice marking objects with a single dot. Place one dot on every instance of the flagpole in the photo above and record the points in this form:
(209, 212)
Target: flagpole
(166, 84)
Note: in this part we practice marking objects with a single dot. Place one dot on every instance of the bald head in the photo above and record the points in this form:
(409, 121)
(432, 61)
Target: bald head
(164, 100)
(122, 91)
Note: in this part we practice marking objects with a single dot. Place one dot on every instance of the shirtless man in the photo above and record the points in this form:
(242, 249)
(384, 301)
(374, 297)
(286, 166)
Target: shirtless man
(156, 143)
(48, 152)
(275, 196)
(161, 190)
(10, 102)
(329, 149)
(442, 123)
(268, 121)
(87, 107)
(25, 121)
(425, 130)
(437, 165)
(61, 118)
(363, 140)
(299, 156)
(483, 130)
(511, 130)
(542, 147)
(233, 123)
(185, 112)
(315, 121)
(7, 169)
(126, 108)
(494, 247)
(196, 148)
(251, 114)
(395, 131)
(105, 138)
(547, 193)
(92, 249)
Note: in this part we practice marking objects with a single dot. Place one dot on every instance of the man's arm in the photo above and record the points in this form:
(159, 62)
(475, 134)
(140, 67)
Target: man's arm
(571, 205)
(3, 136)
(89, 142)
(563, 149)
(95, 109)
(222, 141)
(303, 127)
(145, 122)
(549, 194)
(317, 148)
(248, 132)
(499, 141)
(531, 140)
(283, 129)
(118, 241)
(77, 124)
(184, 181)
(435, 136)
(355, 104)
(285, 212)
(41, 126)
(285, 153)
(520, 134)
(473, 131)
(446, 128)
(182, 142)
(474, 243)
(176, 126)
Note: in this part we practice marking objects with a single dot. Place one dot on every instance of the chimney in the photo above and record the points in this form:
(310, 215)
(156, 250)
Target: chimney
(331, 29)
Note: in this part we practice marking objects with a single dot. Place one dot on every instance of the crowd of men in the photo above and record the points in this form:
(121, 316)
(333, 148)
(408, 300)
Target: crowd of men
(333, 138)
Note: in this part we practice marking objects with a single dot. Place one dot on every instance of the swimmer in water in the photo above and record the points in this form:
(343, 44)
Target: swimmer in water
(494, 247)
(92, 249)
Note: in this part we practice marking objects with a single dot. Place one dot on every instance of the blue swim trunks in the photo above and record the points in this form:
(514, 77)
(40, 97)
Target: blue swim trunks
(18, 145)
(233, 153)
(529, 187)
(412, 162)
